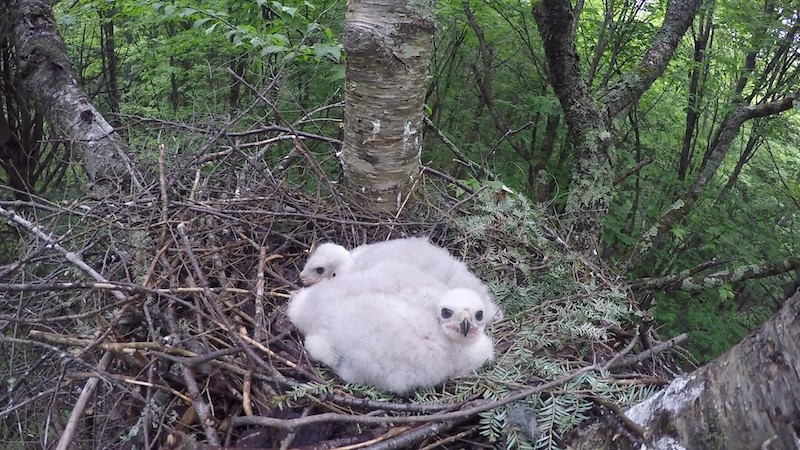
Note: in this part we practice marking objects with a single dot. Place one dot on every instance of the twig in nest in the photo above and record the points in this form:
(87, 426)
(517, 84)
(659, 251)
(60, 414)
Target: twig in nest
(480, 406)
(287, 441)
(225, 321)
(450, 439)
(613, 361)
(410, 438)
(68, 255)
(420, 408)
(633, 426)
(77, 411)
(631, 360)
(199, 405)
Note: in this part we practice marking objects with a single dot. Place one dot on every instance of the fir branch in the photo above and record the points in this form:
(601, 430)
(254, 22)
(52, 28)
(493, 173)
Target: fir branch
(478, 407)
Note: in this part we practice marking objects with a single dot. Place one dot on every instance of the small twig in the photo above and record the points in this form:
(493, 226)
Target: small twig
(364, 403)
(77, 411)
(199, 405)
(446, 177)
(460, 155)
(666, 345)
(68, 255)
(629, 348)
(441, 442)
(112, 286)
(633, 426)
(162, 178)
(287, 441)
(632, 171)
(412, 437)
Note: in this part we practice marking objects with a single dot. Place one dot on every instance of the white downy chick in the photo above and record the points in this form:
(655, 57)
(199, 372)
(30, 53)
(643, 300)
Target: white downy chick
(389, 339)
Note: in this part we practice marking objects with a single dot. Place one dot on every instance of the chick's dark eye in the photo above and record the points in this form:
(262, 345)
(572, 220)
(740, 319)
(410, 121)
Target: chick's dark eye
(319, 270)
(446, 313)
(479, 315)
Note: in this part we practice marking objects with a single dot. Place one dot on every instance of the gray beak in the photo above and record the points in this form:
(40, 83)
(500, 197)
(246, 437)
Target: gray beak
(464, 327)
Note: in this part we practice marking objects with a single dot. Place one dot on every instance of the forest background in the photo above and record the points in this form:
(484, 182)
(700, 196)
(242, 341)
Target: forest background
(149, 64)
(213, 96)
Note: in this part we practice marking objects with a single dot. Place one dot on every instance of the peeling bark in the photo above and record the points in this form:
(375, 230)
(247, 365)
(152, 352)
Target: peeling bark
(745, 399)
(49, 79)
(388, 44)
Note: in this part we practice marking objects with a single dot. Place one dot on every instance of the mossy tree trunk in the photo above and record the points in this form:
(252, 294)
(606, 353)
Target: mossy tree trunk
(589, 120)
(388, 45)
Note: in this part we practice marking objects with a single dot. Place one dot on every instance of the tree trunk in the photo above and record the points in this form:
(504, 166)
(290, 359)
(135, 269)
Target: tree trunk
(108, 45)
(699, 71)
(48, 77)
(388, 52)
(746, 399)
(588, 133)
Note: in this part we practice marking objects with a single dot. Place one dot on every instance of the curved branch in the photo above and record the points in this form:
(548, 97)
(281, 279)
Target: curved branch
(633, 84)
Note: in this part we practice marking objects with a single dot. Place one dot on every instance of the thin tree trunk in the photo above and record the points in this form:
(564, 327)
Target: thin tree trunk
(699, 68)
(388, 47)
(588, 134)
(753, 142)
(49, 79)
(746, 399)
(109, 52)
(721, 144)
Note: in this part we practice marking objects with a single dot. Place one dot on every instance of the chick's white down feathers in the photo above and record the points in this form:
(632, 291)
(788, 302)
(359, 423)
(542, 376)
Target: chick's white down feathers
(330, 260)
(392, 326)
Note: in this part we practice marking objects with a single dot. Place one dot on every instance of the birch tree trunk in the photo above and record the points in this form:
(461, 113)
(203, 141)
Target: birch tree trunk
(387, 43)
(48, 78)
(746, 399)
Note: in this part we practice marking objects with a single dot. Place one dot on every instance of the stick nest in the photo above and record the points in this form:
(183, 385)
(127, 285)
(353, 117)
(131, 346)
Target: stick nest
(167, 306)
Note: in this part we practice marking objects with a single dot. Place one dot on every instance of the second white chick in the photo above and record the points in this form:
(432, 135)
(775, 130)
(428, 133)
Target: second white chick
(330, 260)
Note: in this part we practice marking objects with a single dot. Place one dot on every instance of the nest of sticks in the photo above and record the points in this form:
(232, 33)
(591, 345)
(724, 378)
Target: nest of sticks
(155, 320)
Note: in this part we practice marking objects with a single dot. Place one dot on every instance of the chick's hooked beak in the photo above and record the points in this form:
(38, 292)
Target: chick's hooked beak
(465, 324)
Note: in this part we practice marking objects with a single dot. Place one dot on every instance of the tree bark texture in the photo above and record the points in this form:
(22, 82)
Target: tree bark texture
(592, 175)
(388, 44)
(746, 399)
(48, 78)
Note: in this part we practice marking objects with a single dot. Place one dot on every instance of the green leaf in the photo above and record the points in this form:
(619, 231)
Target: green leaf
(200, 22)
(726, 292)
(323, 51)
(272, 49)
